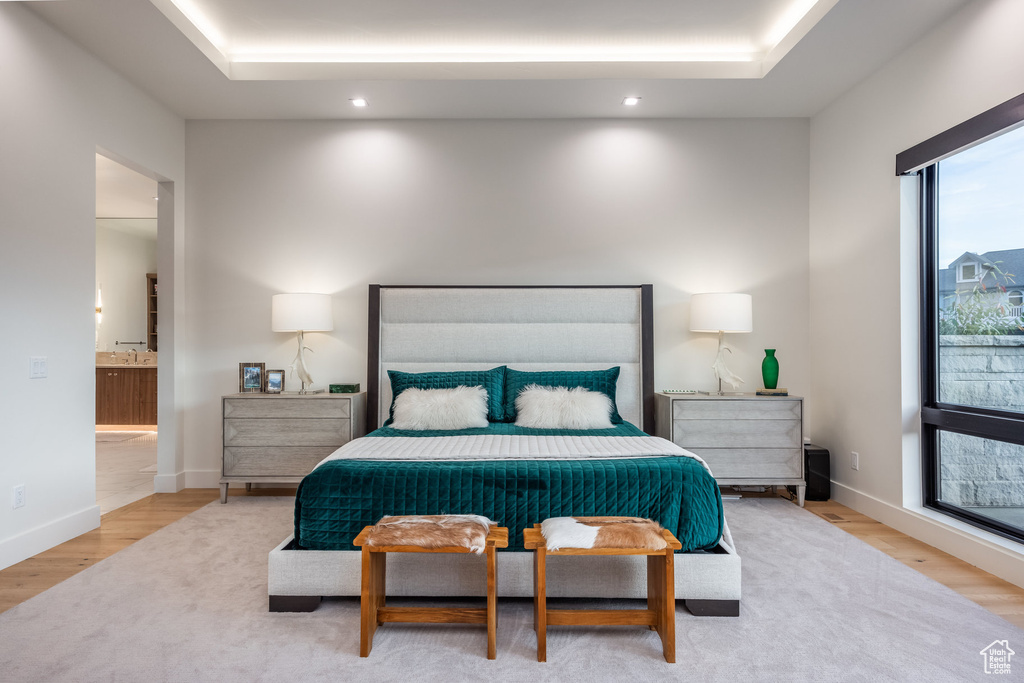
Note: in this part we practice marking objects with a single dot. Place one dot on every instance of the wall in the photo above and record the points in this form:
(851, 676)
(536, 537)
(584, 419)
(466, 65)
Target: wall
(864, 272)
(690, 206)
(123, 257)
(60, 105)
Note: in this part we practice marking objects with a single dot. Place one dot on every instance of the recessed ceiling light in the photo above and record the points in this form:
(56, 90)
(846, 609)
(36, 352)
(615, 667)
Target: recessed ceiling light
(631, 101)
(358, 102)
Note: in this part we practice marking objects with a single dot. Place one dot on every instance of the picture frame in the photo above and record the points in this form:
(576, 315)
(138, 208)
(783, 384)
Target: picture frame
(251, 377)
(275, 381)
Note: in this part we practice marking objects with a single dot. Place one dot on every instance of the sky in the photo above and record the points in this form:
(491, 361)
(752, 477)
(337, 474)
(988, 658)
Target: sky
(981, 198)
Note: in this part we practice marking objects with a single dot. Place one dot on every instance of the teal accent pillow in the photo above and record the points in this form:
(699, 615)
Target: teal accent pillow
(493, 381)
(595, 380)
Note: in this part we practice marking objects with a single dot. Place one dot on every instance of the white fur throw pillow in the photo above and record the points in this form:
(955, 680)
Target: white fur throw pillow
(455, 408)
(561, 408)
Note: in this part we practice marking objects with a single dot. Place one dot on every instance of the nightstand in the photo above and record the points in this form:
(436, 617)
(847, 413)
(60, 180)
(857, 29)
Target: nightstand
(280, 438)
(746, 440)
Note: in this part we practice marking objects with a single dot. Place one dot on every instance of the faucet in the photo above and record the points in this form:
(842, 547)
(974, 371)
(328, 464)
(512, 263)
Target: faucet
(136, 357)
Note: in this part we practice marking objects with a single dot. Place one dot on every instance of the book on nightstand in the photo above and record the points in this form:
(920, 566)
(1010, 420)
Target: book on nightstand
(773, 392)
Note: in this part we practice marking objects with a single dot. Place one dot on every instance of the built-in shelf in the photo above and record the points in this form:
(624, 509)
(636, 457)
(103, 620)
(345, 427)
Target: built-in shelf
(151, 298)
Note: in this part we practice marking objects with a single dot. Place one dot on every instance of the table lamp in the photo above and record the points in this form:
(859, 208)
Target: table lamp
(301, 313)
(721, 313)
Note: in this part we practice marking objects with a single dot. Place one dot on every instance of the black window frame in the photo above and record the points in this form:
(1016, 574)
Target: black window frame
(986, 423)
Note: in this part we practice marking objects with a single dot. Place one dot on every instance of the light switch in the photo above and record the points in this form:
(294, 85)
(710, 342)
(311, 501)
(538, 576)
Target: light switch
(37, 367)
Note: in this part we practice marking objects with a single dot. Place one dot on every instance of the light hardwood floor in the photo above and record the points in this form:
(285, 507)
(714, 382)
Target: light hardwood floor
(123, 526)
(124, 467)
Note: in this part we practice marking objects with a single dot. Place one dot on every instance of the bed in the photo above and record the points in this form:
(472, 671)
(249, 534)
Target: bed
(517, 476)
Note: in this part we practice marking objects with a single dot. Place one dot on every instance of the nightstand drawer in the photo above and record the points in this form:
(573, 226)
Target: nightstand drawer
(269, 462)
(724, 409)
(753, 463)
(286, 432)
(737, 433)
(285, 407)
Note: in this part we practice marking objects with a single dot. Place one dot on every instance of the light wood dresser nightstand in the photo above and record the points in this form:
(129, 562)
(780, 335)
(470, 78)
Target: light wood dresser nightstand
(746, 440)
(279, 438)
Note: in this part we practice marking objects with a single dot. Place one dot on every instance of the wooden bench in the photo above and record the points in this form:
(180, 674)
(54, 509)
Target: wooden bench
(660, 614)
(374, 612)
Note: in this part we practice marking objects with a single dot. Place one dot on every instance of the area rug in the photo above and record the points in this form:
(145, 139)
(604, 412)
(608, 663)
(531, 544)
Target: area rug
(189, 603)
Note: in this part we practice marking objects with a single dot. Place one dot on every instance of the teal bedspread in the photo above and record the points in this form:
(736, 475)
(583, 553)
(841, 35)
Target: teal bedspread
(340, 497)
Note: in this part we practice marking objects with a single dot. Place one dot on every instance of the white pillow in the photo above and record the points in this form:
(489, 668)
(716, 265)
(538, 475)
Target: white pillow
(455, 408)
(561, 408)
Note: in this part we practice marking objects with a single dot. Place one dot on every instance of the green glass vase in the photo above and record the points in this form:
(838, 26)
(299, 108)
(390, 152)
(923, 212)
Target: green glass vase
(770, 369)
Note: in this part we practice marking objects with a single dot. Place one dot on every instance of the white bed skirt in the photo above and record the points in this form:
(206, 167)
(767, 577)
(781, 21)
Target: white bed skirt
(699, 576)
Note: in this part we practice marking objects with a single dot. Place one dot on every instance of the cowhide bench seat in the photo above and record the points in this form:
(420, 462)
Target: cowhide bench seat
(426, 534)
(607, 536)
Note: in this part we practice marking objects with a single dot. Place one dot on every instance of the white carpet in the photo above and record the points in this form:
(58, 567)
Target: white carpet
(189, 603)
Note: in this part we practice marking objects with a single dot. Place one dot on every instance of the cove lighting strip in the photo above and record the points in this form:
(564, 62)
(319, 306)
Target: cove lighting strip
(737, 60)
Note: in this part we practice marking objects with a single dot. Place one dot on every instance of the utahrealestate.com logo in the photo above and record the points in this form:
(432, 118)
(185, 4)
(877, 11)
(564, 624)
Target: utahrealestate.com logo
(997, 657)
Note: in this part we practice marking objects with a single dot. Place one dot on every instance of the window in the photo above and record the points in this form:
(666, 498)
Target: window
(968, 273)
(972, 327)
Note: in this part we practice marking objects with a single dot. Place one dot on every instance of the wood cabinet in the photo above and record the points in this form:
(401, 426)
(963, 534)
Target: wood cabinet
(745, 439)
(126, 395)
(280, 438)
(151, 329)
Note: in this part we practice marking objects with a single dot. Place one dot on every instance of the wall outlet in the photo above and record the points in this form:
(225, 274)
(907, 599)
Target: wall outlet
(37, 367)
(19, 496)
(855, 460)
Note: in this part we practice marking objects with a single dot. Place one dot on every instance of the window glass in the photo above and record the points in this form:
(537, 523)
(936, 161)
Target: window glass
(983, 476)
(979, 219)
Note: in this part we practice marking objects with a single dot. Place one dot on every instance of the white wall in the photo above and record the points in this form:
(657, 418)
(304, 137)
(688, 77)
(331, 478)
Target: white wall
(689, 206)
(59, 106)
(123, 258)
(864, 271)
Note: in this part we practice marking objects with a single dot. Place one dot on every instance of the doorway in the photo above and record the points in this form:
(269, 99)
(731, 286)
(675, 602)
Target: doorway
(127, 334)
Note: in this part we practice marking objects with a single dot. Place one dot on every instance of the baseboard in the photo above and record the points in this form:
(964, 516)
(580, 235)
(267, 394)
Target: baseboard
(168, 483)
(34, 541)
(202, 479)
(189, 479)
(994, 554)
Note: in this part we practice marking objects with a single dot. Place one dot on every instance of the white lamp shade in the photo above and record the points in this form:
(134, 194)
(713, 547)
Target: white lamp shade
(719, 312)
(306, 312)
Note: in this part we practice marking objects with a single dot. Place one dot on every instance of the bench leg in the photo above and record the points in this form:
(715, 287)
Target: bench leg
(653, 581)
(661, 582)
(492, 603)
(540, 606)
(371, 597)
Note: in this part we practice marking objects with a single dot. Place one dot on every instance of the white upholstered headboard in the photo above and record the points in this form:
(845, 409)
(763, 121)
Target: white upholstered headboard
(428, 328)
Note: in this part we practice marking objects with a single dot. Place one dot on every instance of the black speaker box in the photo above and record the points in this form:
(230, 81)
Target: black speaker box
(817, 472)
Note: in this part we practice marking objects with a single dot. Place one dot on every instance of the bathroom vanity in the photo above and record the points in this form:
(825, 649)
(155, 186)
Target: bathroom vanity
(126, 388)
